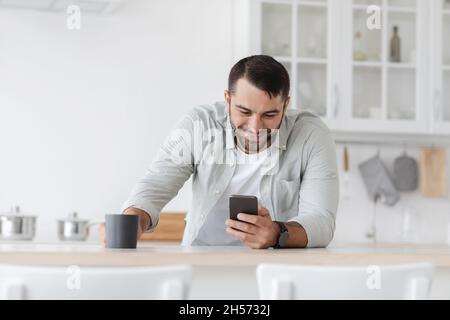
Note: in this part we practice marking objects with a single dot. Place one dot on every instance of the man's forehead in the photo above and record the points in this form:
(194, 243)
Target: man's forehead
(249, 96)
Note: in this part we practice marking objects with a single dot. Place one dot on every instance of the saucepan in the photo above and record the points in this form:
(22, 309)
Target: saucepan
(74, 228)
(15, 225)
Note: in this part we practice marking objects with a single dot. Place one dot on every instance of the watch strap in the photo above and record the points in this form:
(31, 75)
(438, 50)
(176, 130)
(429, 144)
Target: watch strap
(283, 229)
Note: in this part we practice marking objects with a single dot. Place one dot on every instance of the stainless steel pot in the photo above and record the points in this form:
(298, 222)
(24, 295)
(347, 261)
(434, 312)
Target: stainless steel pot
(73, 228)
(17, 226)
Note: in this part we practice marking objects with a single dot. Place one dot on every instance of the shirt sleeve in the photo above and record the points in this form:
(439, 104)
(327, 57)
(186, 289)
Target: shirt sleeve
(168, 172)
(319, 189)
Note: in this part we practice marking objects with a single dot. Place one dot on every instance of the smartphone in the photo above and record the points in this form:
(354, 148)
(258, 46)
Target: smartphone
(243, 204)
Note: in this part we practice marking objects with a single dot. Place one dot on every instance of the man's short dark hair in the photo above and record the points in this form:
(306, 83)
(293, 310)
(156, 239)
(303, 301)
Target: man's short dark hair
(264, 72)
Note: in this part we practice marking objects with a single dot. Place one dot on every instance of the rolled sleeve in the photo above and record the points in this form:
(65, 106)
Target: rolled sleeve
(149, 209)
(319, 190)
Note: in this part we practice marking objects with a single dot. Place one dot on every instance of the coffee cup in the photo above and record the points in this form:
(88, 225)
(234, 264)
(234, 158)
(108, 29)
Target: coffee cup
(121, 231)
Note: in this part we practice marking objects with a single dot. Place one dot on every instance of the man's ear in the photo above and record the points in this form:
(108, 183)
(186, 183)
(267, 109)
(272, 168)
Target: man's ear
(227, 98)
(286, 103)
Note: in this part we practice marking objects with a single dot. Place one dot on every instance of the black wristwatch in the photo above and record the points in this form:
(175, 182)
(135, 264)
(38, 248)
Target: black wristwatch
(282, 237)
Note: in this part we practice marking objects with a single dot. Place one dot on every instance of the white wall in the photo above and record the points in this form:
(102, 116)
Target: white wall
(429, 217)
(82, 113)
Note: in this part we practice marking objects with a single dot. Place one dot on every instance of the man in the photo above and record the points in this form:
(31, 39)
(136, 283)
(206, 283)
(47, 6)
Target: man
(249, 145)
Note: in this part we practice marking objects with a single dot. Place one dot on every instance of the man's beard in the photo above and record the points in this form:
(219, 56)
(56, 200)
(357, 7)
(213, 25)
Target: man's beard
(251, 142)
(254, 142)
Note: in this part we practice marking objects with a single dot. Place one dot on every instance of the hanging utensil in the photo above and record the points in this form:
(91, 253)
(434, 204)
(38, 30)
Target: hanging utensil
(433, 172)
(345, 177)
(378, 181)
(406, 172)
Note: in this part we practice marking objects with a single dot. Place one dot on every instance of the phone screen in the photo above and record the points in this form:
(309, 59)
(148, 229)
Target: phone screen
(243, 204)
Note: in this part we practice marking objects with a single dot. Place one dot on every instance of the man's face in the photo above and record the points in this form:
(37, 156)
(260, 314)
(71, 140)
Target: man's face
(251, 109)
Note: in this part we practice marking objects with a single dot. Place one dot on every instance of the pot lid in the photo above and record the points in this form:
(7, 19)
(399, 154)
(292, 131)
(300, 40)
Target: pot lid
(73, 217)
(16, 212)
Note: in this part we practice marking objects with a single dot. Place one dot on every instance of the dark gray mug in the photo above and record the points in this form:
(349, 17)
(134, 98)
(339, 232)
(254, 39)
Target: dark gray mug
(121, 231)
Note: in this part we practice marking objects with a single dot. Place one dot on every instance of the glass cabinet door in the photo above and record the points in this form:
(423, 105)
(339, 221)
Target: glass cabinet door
(384, 68)
(276, 29)
(295, 32)
(446, 61)
(440, 62)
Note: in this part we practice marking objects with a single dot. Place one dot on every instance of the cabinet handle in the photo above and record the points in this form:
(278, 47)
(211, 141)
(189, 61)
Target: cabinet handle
(336, 101)
(437, 108)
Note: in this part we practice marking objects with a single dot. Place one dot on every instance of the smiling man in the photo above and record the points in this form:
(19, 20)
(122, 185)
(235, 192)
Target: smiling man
(249, 145)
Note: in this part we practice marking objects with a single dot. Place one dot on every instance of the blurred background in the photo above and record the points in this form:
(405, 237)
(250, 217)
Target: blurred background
(89, 89)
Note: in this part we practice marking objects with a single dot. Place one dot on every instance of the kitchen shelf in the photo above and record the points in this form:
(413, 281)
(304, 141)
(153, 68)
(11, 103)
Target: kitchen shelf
(374, 64)
(401, 10)
(302, 60)
(312, 4)
(364, 7)
(391, 139)
(367, 64)
(283, 59)
(312, 61)
(401, 66)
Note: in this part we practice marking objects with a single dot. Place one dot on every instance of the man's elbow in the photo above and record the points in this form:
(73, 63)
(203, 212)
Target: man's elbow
(326, 224)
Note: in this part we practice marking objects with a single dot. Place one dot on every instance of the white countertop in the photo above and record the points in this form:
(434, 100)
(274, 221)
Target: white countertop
(151, 253)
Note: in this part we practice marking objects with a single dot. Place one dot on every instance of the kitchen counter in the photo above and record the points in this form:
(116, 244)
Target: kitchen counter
(92, 254)
(218, 271)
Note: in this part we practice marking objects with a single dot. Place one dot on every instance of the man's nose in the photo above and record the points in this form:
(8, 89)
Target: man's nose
(255, 124)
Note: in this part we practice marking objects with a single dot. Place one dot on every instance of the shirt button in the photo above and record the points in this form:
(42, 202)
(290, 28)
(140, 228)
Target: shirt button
(217, 191)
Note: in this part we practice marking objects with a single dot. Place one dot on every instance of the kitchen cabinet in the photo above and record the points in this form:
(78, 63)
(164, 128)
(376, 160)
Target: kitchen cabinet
(440, 66)
(342, 70)
(302, 36)
(383, 95)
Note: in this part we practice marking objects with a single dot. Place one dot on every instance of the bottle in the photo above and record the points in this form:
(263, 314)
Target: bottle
(358, 55)
(395, 46)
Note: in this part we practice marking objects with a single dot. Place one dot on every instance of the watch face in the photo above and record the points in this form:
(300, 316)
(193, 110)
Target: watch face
(284, 236)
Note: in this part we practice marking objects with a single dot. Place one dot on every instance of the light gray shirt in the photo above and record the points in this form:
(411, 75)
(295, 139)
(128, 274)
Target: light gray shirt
(245, 181)
(300, 183)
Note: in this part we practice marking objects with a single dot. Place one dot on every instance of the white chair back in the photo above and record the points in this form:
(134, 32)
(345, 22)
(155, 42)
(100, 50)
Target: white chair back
(305, 282)
(82, 283)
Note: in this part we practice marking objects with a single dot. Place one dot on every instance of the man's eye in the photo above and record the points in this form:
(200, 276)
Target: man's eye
(246, 113)
(269, 115)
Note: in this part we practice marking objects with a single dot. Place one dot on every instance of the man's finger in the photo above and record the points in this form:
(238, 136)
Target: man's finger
(250, 218)
(102, 232)
(243, 236)
(263, 212)
(241, 226)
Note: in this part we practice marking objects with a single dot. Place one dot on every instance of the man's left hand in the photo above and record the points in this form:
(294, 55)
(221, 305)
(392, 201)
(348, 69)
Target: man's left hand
(255, 231)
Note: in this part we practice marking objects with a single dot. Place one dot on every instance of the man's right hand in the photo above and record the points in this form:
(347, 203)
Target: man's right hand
(144, 222)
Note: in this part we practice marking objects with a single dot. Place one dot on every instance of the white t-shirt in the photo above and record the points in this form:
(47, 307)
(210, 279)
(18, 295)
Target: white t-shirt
(245, 181)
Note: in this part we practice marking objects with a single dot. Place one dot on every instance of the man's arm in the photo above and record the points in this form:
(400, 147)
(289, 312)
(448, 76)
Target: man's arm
(166, 175)
(318, 200)
(297, 235)
(145, 221)
(260, 232)
(319, 193)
